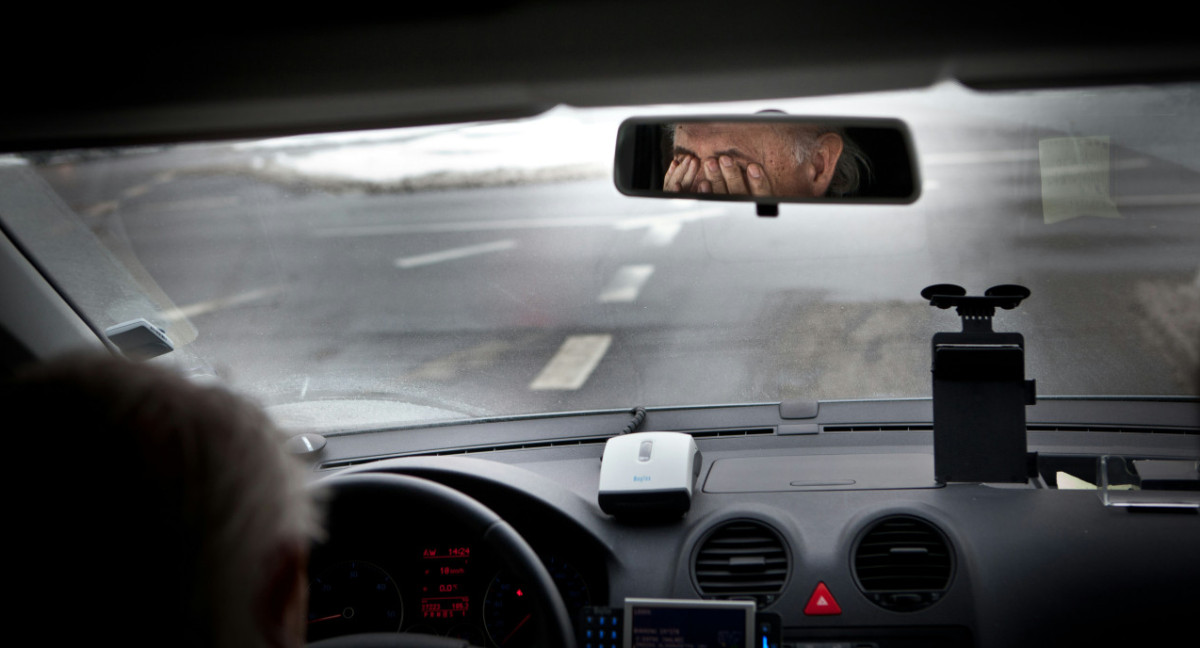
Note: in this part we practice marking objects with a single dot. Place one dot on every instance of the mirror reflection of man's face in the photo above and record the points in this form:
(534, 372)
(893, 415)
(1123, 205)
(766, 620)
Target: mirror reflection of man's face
(752, 159)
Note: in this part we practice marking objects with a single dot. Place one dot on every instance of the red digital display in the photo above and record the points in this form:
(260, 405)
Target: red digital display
(447, 607)
(443, 583)
(446, 553)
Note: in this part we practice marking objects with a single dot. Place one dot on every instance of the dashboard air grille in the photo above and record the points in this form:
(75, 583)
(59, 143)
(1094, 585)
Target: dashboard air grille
(740, 560)
(903, 563)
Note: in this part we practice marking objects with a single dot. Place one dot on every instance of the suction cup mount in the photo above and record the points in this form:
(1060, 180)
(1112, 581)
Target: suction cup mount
(979, 390)
(976, 311)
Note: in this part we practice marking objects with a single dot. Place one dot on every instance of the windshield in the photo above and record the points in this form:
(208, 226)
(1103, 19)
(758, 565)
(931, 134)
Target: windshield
(490, 269)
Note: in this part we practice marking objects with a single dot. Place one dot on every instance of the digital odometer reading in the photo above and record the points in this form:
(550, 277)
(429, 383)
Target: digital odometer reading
(444, 582)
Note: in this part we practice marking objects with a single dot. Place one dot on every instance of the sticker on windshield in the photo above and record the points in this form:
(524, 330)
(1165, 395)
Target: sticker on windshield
(1075, 178)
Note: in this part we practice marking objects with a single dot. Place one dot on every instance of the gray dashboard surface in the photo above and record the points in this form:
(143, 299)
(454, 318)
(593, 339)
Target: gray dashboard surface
(821, 472)
(1032, 564)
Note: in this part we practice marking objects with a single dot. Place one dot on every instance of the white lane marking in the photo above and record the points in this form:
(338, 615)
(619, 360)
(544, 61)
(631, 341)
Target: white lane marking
(135, 191)
(454, 253)
(634, 222)
(449, 367)
(626, 284)
(1024, 155)
(979, 157)
(576, 359)
(1159, 200)
(662, 234)
(1094, 167)
(206, 203)
(219, 303)
(460, 226)
(102, 209)
(661, 230)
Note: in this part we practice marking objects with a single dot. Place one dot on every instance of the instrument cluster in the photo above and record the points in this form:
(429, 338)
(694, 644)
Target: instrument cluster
(446, 586)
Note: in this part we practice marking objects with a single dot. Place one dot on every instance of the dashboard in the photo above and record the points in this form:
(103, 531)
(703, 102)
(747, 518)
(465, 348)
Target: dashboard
(833, 522)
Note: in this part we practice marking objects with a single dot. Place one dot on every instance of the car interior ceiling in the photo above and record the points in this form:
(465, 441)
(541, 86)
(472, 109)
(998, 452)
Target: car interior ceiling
(105, 80)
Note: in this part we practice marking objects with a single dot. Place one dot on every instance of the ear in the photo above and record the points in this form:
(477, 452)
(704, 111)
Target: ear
(824, 161)
(283, 602)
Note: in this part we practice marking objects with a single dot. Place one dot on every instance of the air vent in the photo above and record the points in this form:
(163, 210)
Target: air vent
(740, 560)
(903, 564)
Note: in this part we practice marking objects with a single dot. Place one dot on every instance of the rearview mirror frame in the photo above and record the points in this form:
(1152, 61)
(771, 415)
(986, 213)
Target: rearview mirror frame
(642, 158)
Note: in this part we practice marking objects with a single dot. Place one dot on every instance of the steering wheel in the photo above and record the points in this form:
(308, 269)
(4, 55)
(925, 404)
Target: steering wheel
(373, 494)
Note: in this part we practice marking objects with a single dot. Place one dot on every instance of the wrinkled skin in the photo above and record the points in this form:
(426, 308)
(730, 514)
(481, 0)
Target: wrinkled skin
(752, 159)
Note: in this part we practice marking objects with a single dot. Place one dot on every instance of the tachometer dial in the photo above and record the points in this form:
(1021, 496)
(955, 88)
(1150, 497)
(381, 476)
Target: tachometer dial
(353, 597)
(509, 615)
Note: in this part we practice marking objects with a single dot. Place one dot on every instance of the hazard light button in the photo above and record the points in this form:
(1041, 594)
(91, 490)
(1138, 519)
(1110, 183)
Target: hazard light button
(821, 602)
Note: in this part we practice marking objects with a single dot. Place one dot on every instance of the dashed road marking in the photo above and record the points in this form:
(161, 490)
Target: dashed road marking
(203, 203)
(664, 223)
(136, 190)
(459, 226)
(457, 363)
(570, 368)
(626, 284)
(454, 253)
(1159, 200)
(957, 158)
(980, 157)
(661, 230)
(220, 303)
(662, 234)
(102, 208)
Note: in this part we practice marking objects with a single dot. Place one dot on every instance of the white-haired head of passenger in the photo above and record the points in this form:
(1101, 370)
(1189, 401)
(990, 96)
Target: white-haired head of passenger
(176, 518)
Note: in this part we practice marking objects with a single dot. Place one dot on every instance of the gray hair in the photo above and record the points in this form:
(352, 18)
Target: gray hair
(852, 164)
(182, 492)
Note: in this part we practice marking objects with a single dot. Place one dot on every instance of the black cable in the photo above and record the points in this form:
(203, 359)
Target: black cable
(639, 415)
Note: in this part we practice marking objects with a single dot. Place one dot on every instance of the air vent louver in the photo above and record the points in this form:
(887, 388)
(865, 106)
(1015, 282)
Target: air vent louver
(741, 560)
(903, 564)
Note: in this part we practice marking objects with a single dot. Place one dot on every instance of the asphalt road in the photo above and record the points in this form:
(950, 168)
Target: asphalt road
(564, 295)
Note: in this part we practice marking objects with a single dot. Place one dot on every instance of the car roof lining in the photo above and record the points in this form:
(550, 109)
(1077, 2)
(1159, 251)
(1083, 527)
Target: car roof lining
(110, 81)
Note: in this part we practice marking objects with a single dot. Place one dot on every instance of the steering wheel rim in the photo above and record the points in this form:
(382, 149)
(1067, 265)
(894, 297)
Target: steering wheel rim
(340, 491)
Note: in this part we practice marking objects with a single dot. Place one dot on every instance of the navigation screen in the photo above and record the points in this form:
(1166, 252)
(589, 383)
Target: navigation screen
(668, 623)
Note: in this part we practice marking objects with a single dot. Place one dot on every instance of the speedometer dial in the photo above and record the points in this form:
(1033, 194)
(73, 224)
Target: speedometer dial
(353, 597)
(509, 615)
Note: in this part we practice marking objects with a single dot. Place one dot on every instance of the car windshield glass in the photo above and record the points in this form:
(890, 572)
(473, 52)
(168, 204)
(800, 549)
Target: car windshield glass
(392, 277)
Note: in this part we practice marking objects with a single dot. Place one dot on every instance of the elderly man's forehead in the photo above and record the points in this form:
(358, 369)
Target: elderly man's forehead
(740, 129)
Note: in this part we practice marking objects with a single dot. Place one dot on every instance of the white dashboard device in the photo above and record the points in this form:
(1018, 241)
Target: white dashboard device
(648, 474)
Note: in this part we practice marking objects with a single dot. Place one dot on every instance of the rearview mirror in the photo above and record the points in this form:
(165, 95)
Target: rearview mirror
(767, 158)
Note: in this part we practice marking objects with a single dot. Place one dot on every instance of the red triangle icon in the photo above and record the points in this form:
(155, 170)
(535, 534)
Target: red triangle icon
(821, 602)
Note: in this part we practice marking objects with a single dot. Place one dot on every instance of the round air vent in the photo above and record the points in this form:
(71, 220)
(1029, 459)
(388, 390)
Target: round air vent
(903, 563)
(740, 560)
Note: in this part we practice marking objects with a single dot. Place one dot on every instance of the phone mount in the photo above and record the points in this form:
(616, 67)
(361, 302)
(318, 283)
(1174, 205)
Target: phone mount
(979, 390)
